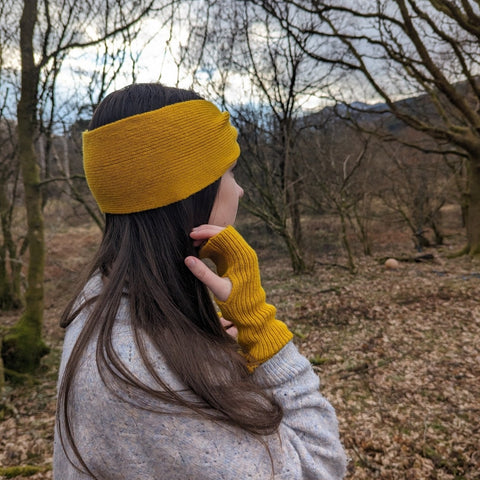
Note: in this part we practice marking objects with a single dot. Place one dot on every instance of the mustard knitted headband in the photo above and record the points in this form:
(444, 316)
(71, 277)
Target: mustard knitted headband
(160, 157)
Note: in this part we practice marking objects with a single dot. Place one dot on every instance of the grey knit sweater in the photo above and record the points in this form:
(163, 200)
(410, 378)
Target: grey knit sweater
(119, 441)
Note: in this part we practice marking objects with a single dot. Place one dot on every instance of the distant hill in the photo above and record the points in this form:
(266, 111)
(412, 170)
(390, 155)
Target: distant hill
(378, 116)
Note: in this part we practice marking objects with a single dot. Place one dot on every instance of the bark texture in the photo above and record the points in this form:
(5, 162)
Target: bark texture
(23, 346)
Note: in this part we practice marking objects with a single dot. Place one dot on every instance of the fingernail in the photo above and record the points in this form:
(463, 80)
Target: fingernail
(189, 261)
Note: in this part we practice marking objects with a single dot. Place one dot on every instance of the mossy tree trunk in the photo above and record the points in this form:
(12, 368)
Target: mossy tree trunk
(23, 346)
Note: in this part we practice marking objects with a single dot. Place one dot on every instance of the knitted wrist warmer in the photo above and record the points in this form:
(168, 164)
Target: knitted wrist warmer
(260, 335)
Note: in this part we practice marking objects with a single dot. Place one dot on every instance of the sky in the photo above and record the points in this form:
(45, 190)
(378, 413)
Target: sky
(156, 63)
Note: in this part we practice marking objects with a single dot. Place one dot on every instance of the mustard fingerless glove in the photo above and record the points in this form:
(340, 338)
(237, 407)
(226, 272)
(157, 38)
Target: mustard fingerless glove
(260, 335)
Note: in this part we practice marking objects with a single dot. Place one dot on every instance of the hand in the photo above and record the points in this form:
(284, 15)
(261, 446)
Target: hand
(221, 287)
(238, 291)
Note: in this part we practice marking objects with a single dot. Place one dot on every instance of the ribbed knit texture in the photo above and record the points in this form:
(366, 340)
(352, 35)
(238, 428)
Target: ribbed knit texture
(260, 335)
(160, 157)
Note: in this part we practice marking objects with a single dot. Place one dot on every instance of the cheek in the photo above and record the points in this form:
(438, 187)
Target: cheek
(225, 208)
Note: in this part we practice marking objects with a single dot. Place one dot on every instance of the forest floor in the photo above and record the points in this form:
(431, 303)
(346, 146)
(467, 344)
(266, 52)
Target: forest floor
(397, 351)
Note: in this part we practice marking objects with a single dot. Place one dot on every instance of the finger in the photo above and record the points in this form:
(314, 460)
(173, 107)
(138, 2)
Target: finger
(225, 323)
(232, 331)
(206, 231)
(221, 287)
(229, 327)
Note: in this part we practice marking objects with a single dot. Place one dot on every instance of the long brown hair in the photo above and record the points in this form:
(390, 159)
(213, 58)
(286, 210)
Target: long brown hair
(141, 256)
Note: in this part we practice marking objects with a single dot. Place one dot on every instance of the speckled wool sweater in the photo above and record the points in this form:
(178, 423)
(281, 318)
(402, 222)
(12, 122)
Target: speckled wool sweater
(120, 441)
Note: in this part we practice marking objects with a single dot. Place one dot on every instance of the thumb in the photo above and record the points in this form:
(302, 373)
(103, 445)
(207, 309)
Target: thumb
(220, 287)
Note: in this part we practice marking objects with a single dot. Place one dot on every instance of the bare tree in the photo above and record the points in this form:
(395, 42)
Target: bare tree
(405, 47)
(338, 177)
(264, 79)
(47, 32)
(59, 142)
(260, 172)
(416, 187)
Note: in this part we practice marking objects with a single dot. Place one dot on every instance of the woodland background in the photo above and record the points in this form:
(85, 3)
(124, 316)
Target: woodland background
(360, 134)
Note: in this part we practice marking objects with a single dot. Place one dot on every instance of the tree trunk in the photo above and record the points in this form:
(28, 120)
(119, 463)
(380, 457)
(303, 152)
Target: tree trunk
(292, 196)
(346, 244)
(2, 373)
(362, 219)
(473, 209)
(23, 346)
(10, 296)
(296, 257)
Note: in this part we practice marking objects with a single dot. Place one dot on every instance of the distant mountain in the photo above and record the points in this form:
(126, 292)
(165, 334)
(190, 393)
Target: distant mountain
(379, 115)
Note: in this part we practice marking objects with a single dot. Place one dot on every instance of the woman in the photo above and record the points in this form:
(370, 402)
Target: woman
(153, 384)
